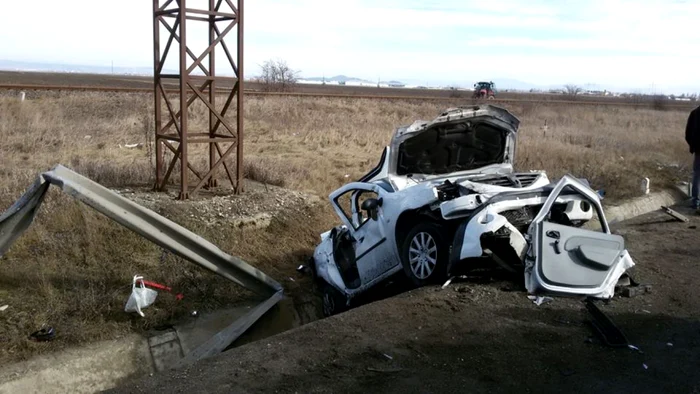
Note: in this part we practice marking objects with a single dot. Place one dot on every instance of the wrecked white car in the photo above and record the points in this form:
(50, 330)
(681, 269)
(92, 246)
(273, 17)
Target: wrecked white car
(445, 193)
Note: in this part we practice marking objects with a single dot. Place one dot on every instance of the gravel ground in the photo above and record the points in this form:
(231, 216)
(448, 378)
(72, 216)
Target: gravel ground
(256, 206)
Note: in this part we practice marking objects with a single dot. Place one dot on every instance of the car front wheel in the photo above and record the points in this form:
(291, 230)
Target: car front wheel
(424, 254)
(332, 301)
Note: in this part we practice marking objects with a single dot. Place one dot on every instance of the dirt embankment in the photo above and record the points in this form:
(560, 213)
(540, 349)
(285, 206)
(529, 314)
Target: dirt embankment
(484, 337)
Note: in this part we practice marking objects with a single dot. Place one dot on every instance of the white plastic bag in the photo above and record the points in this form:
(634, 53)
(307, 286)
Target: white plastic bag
(140, 297)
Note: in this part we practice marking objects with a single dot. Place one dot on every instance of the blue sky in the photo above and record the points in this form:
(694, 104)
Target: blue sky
(614, 43)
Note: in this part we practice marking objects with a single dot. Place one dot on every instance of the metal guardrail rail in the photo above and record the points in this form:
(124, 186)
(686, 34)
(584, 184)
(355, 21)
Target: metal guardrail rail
(157, 229)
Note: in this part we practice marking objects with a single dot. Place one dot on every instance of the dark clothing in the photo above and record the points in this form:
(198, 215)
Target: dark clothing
(692, 137)
(692, 131)
(695, 189)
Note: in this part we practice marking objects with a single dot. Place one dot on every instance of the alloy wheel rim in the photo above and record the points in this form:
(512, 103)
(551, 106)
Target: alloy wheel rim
(422, 255)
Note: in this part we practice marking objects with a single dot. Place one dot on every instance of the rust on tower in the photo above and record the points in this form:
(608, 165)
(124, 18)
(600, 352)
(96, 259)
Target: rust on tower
(198, 82)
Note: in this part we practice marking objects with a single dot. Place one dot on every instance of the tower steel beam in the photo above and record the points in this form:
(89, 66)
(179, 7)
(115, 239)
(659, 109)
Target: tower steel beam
(175, 130)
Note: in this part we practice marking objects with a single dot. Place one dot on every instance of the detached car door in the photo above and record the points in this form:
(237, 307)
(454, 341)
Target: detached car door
(373, 253)
(572, 260)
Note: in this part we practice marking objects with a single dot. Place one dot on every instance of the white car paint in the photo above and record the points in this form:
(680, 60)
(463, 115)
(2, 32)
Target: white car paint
(477, 211)
(394, 204)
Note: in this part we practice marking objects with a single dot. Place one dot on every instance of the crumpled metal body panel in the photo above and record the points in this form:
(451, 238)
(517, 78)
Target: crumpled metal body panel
(324, 265)
(482, 193)
(490, 220)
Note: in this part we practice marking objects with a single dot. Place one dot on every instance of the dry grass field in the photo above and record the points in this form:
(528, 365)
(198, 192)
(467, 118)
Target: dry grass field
(73, 269)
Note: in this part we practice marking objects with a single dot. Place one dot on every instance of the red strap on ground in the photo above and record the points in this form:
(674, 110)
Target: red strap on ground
(148, 283)
(156, 285)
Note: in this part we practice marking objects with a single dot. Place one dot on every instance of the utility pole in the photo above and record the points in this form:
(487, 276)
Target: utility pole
(224, 133)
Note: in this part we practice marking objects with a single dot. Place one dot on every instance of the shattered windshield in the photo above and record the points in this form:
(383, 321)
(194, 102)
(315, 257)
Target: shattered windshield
(451, 148)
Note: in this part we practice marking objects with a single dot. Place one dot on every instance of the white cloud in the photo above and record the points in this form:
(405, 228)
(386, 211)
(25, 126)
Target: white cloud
(541, 41)
(317, 17)
(624, 42)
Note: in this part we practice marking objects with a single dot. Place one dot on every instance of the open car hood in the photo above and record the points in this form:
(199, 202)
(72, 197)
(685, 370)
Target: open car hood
(461, 139)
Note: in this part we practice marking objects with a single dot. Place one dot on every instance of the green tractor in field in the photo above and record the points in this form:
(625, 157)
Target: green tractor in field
(484, 90)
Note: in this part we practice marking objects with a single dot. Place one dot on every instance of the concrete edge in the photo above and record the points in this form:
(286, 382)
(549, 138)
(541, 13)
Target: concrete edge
(644, 204)
(640, 205)
(87, 369)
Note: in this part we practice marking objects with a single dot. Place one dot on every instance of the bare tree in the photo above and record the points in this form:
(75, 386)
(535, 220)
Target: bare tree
(660, 102)
(572, 90)
(276, 75)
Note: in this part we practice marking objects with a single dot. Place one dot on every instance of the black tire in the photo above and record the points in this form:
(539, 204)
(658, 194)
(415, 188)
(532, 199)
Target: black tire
(417, 266)
(332, 301)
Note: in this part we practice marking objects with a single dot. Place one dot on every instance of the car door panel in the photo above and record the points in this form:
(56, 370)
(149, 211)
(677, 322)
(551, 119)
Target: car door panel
(373, 253)
(369, 259)
(577, 257)
(597, 256)
(574, 260)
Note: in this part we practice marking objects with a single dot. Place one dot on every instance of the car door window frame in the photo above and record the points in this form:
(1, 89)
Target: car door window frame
(578, 186)
(357, 206)
(352, 188)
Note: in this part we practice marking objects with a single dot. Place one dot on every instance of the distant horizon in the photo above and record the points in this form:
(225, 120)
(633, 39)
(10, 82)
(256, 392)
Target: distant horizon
(25, 66)
(612, 44)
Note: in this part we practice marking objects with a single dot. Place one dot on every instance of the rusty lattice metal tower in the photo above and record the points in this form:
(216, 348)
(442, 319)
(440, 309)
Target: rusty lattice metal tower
(173, 130)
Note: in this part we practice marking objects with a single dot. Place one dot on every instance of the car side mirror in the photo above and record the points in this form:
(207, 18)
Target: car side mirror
(370, 205)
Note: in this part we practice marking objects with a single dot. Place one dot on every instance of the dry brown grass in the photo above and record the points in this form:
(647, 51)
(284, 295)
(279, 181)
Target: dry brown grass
(73, 268)
(317, 143)
(313, 143)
